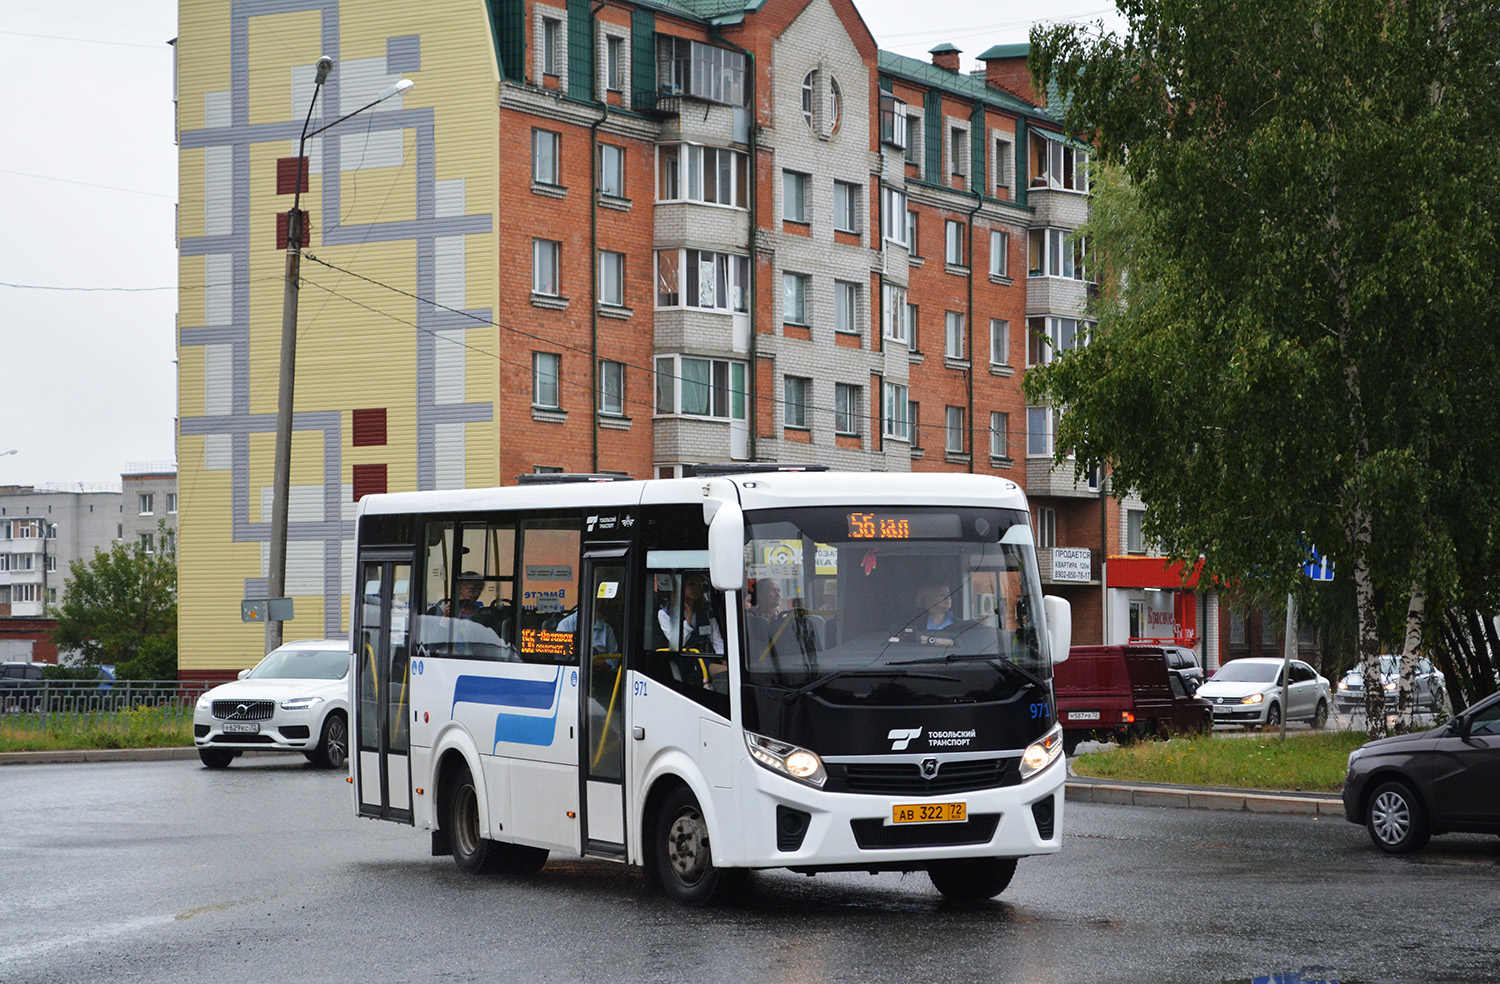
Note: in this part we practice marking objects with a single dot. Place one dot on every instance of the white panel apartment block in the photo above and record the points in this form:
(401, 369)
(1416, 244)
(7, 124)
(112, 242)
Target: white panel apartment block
(218, 452)
(218, 191)
(448, 367)
(448, 271)
(218, 288)
(448, 448)
(448, 198)
(218, 380)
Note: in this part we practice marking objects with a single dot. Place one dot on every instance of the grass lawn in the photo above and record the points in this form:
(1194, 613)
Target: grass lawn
(1313, 763)
(142, 727)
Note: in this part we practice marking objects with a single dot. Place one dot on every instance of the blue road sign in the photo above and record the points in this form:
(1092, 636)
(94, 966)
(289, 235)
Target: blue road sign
(1319, 568)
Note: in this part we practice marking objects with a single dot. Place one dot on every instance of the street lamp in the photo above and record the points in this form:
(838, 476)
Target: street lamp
(282, 476)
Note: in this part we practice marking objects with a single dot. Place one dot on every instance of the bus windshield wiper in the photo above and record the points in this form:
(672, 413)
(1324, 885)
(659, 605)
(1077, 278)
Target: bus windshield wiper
(793, 694)
(996, 658)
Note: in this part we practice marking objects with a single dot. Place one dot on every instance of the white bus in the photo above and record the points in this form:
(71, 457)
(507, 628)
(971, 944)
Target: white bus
(812, 670)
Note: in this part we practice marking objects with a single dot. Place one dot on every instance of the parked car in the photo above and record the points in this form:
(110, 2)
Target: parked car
(20, 685)
(1185, 662)
(1247, 691)
(1428, 689)
(296, 699)
(1123, 692)
(1408, 787)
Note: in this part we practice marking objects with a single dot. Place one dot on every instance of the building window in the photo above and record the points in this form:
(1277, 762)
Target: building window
(692, 68)
(796, 390)
(612, 170)
(1040, 424)
(846, 306)
(546, 371)
(713, 175)
(544, 264)
(897, 405)
(955, 243)
(147, 503)
(1054, 164)
(612, 278)
(1056, 253)
(611, 387)
(846, 206)
(794, 298)
(169, 543)
(892, 121)
(552, 35)
(1003, 165)
(999, 253)
(821, 108)
(1046, 528)
(51, 562)
(698, 278)
(701, 387)
(999, 342)
(171, 503)
(1135, 538)
(913, 241)
(953, 430)
(914, 143)
(893, 215)
(544, 157)
(614, 64)
(794, 196)
(895, 313)
(146, 543)
(958, 151)
(999, 434)
(1049, 338)
(845, 408)
(914, 417)
(954, 335)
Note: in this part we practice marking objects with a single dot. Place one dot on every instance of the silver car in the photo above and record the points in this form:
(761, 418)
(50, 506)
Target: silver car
(1428, 690)
(1248, 691)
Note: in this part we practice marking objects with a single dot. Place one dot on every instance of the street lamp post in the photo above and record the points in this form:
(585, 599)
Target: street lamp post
(282, 475)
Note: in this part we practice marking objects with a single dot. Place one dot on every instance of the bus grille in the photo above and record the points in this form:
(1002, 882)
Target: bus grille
(254, 710)
(905, 778)
(875, 834)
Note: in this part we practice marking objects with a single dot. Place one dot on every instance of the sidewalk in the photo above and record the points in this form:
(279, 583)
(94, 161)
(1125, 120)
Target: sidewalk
(97, 755)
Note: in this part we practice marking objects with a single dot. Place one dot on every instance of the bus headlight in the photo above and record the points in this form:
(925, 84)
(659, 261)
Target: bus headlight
(789, 760)
(1042, 752)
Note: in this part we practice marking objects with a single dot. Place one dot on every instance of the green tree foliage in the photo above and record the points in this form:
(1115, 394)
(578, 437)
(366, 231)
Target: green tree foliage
(121, 609)
(1299, 335)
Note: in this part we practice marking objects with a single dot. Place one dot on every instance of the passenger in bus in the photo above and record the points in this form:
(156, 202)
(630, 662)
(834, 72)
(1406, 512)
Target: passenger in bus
(936, 602)
(698, 629)
(763, 620)
(604, 640)
(468, 603)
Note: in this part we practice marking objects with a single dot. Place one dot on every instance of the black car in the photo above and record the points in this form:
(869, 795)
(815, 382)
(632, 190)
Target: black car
(1406, 788)
(1185, 662)
(20, 685)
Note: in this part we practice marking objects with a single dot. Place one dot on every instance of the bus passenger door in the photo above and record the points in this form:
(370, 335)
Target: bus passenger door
(383, 732)
(601, 633)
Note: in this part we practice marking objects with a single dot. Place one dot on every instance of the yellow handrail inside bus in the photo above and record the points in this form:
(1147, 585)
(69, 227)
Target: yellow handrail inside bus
(609, 712)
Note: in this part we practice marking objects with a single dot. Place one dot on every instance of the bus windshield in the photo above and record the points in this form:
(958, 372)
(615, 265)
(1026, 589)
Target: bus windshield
(892, 605)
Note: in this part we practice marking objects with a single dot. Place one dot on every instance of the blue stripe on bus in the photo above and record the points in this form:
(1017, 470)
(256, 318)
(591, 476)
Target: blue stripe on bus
(506, 693)
(525, 730)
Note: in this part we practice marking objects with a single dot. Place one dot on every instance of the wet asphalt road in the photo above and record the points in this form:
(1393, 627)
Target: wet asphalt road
(167, 872)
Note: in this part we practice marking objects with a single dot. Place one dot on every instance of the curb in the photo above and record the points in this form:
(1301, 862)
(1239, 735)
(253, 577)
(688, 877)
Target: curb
(97, 755)
(1081, 790)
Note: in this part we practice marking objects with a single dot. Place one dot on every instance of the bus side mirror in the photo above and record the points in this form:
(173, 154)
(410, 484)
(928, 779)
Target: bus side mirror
(726, 548)
(1059, 615)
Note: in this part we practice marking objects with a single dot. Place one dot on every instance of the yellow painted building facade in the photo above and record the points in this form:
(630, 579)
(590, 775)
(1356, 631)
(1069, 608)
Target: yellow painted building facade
(392, 393)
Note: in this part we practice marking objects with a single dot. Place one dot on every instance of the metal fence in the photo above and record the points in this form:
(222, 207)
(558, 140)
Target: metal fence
(69, 705)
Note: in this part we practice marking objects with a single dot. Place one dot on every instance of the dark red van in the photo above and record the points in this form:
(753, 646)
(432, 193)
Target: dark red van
(1123, 692)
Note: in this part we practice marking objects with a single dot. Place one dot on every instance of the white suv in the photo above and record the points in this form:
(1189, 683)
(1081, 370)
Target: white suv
(296, 699)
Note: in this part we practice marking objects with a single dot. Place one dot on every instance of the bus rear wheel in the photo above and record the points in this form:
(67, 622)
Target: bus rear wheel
(684, 860)
(972, 879)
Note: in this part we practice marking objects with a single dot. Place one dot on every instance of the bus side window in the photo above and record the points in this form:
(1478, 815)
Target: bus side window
(549, 562)
(684, 641)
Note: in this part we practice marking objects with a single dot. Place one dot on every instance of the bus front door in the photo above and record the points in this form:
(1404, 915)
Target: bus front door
(383, 732)
(602, 717)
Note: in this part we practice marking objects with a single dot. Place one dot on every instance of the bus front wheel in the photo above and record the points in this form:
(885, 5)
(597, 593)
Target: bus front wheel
(684, 861)
(973, 879)
(471, 851)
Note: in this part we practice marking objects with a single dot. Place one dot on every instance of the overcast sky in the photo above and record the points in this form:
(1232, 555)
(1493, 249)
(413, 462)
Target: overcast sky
(88, 189)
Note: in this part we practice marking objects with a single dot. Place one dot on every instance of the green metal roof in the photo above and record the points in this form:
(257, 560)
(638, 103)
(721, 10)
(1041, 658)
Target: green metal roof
(702, 10)
(969, 87)
(1007, 51)
(944, 48)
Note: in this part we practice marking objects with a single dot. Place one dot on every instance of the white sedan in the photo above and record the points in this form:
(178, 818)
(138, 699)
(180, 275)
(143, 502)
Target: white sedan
(1248, 691)
(296, 699)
